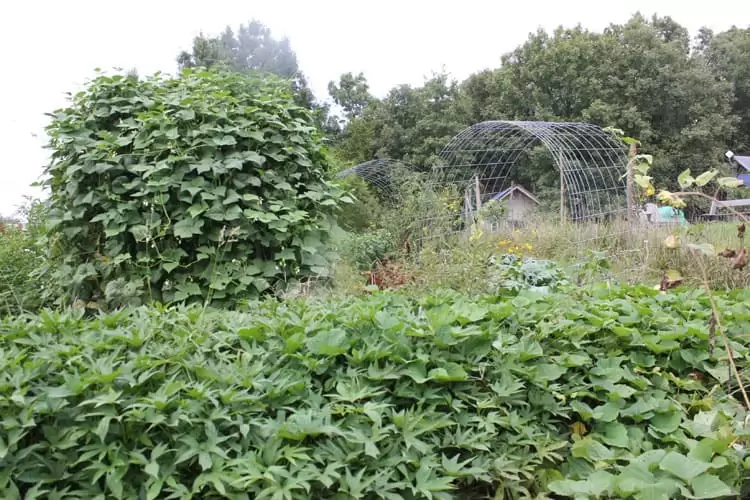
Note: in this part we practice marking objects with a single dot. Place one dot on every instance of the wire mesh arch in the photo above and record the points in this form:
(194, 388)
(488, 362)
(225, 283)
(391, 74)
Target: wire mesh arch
(582, 177)
(381, 173)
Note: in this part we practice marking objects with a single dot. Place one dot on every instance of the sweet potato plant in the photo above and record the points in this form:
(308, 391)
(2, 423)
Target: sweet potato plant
(598, 392)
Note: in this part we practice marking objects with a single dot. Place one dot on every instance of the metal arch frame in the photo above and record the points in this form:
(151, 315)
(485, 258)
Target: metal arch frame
(377, 173)
(591, 162)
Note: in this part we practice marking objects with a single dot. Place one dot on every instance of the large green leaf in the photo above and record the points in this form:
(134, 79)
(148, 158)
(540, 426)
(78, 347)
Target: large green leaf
(187, 227)
(615, 434)
(705, 177)
(685, 468)
(685, 180)
(710, 486)
(592, 450)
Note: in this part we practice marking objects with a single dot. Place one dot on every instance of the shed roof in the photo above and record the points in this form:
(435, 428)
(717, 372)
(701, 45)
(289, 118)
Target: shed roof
(508, 191)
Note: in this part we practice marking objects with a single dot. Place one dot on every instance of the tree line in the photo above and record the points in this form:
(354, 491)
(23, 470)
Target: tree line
(686, 98)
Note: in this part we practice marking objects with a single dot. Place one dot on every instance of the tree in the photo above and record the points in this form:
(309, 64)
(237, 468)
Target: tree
(253, 48)
(640, 76)
(410, 124)
(727, 55)
(352, 93)
(207, 52)
(208, 187)
(650, 86)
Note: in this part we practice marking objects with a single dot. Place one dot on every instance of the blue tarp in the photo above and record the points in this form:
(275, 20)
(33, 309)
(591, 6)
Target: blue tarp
(744, 161)
(669, 213)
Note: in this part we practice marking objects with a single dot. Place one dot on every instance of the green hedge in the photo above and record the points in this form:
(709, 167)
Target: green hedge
(594, 393)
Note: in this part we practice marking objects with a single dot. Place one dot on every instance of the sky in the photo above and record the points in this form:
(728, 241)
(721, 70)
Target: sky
(52, 47)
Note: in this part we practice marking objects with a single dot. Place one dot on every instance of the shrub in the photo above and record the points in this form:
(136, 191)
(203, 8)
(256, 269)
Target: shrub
(493, 212)
(363, 250)
(590, 394)
(24, 265)
(368, 210)
(19, 259)
(209, 187)
(453, 263)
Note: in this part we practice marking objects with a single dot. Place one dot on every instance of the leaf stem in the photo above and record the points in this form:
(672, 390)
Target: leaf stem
(722, 333)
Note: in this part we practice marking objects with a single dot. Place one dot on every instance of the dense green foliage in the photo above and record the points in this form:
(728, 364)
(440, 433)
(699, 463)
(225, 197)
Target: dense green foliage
(511, 272)
(212, 188)
(208, 187)
(362, 250)
(728, 56)
(20, 257)
(24, 264)
(687, 103)
(592, 393)
(409, 124)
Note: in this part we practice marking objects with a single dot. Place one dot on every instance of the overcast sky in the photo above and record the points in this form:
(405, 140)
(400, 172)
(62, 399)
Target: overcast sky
(50, 47)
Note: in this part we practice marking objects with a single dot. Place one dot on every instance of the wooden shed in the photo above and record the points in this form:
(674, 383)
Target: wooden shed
(519, 202)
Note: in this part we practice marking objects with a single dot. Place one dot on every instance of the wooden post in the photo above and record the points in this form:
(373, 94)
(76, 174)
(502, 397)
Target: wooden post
(629, 185)
(562, 197)
(478, 194)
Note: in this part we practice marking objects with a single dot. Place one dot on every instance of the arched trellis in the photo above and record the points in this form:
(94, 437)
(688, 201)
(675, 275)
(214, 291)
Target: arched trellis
(591, 163)
(382, 173)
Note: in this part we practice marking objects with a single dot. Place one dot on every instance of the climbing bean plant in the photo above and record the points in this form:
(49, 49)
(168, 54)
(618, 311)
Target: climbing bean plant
(207, 187)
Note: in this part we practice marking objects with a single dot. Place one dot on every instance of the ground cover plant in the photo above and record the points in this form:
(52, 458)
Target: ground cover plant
(592, 393)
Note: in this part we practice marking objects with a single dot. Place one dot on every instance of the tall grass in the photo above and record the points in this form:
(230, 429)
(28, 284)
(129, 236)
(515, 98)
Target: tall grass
(637, 253)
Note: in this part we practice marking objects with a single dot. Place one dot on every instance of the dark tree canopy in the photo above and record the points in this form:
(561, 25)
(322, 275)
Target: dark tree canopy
(727, 55)
(410, 124)
(687, 101)
(352, 93)
(650, 86)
